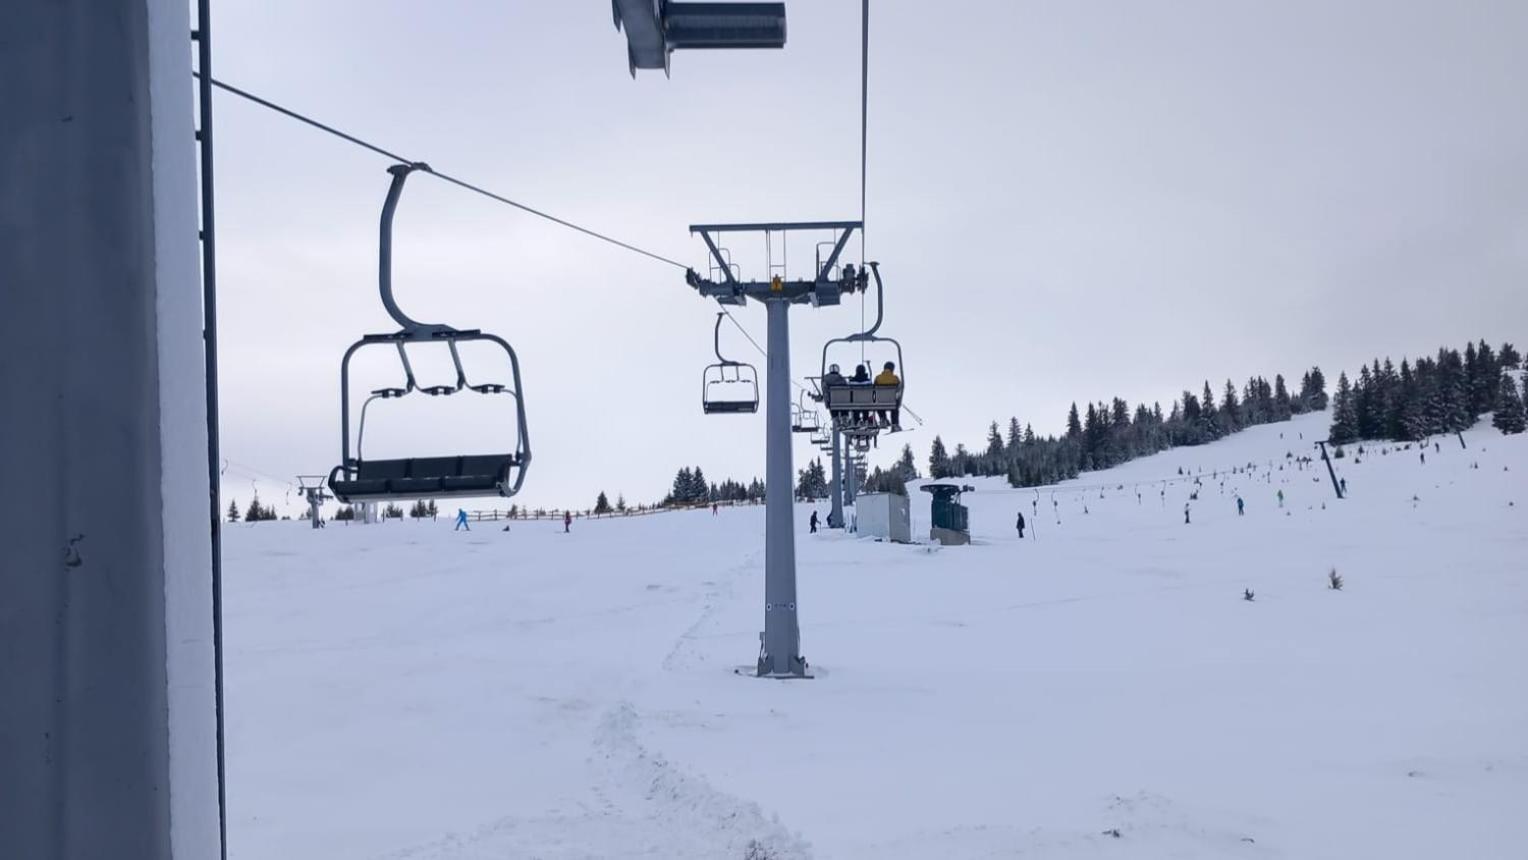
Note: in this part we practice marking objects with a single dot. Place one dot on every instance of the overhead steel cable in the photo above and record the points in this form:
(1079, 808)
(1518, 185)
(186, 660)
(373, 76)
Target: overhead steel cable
(461, 183)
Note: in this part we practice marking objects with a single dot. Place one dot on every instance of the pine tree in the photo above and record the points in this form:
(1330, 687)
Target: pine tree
(1508, 357)
(1344, 413)
(1073, 424)
(233, 510)
(907, 467)
(1230, 411)
(994, 442)
(602, 504)
(1282, 408)
(255, 513)
(1509, 417)
(939, 459)
(620, 503)
(432, 510)
(1454, 391)
(680, 490)
(1313, 390)
(1015, 436)
(1483, 390)
(1209, 416)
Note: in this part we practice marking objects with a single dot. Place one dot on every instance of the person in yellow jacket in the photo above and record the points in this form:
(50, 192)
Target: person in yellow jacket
(888, 376)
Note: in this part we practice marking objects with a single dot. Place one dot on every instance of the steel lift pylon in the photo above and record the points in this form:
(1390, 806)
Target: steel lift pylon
(780, 643)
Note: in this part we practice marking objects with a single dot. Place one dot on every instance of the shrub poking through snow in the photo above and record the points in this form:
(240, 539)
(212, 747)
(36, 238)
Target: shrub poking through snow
(1333, 580)
(1247, 594)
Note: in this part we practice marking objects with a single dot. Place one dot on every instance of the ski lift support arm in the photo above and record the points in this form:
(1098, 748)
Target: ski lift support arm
(821, 290)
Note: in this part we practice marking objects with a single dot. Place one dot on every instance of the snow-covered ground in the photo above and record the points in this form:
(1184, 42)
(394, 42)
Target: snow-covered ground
(403, 691)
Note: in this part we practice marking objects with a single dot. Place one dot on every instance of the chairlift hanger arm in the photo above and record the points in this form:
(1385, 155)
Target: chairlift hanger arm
(880, 304)
(400, 173)
(716, 342)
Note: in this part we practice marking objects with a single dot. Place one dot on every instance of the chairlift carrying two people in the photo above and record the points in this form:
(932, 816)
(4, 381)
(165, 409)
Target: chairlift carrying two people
(357, 479)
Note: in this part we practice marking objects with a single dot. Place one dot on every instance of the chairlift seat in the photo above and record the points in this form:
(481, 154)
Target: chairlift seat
(424, 477)
(730, 406)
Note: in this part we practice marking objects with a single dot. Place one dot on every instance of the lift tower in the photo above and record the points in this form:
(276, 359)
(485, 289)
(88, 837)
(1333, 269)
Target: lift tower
(780, 643)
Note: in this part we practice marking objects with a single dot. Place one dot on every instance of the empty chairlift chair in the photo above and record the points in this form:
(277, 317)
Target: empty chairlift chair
(728, 387)
(804, 418)
(359, 479)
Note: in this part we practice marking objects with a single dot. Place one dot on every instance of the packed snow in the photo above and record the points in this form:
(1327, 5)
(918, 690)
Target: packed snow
(1100, 689)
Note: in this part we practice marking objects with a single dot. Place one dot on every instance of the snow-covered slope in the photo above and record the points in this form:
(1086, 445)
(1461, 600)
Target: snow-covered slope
(403, 691)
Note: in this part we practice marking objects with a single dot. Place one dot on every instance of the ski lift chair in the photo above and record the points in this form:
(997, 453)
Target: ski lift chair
(848, 402)
(804, 419)
(357, 479)
(728, 387)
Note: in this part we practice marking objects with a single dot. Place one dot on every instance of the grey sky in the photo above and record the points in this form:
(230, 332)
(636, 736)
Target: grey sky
(1068, 200)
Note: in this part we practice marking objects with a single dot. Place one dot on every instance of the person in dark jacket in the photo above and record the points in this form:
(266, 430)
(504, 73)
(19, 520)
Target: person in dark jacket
(861, 377)
(1021, 525)
(813, 522)
(567, 521)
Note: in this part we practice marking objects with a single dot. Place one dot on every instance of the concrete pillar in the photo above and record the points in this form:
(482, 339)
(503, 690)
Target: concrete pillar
(107, 701)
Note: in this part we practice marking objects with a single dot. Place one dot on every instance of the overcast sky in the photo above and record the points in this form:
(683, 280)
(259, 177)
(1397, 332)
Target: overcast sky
(1069, 201)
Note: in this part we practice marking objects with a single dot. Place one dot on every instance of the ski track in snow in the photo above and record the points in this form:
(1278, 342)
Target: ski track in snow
(641, 806)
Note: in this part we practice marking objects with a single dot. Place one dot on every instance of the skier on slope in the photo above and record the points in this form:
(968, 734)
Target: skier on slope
(1241, 506)
(1021, 525)
(1185, 513)
(1281, 498)
(461, 521)
(813, 522)
(567, 521)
